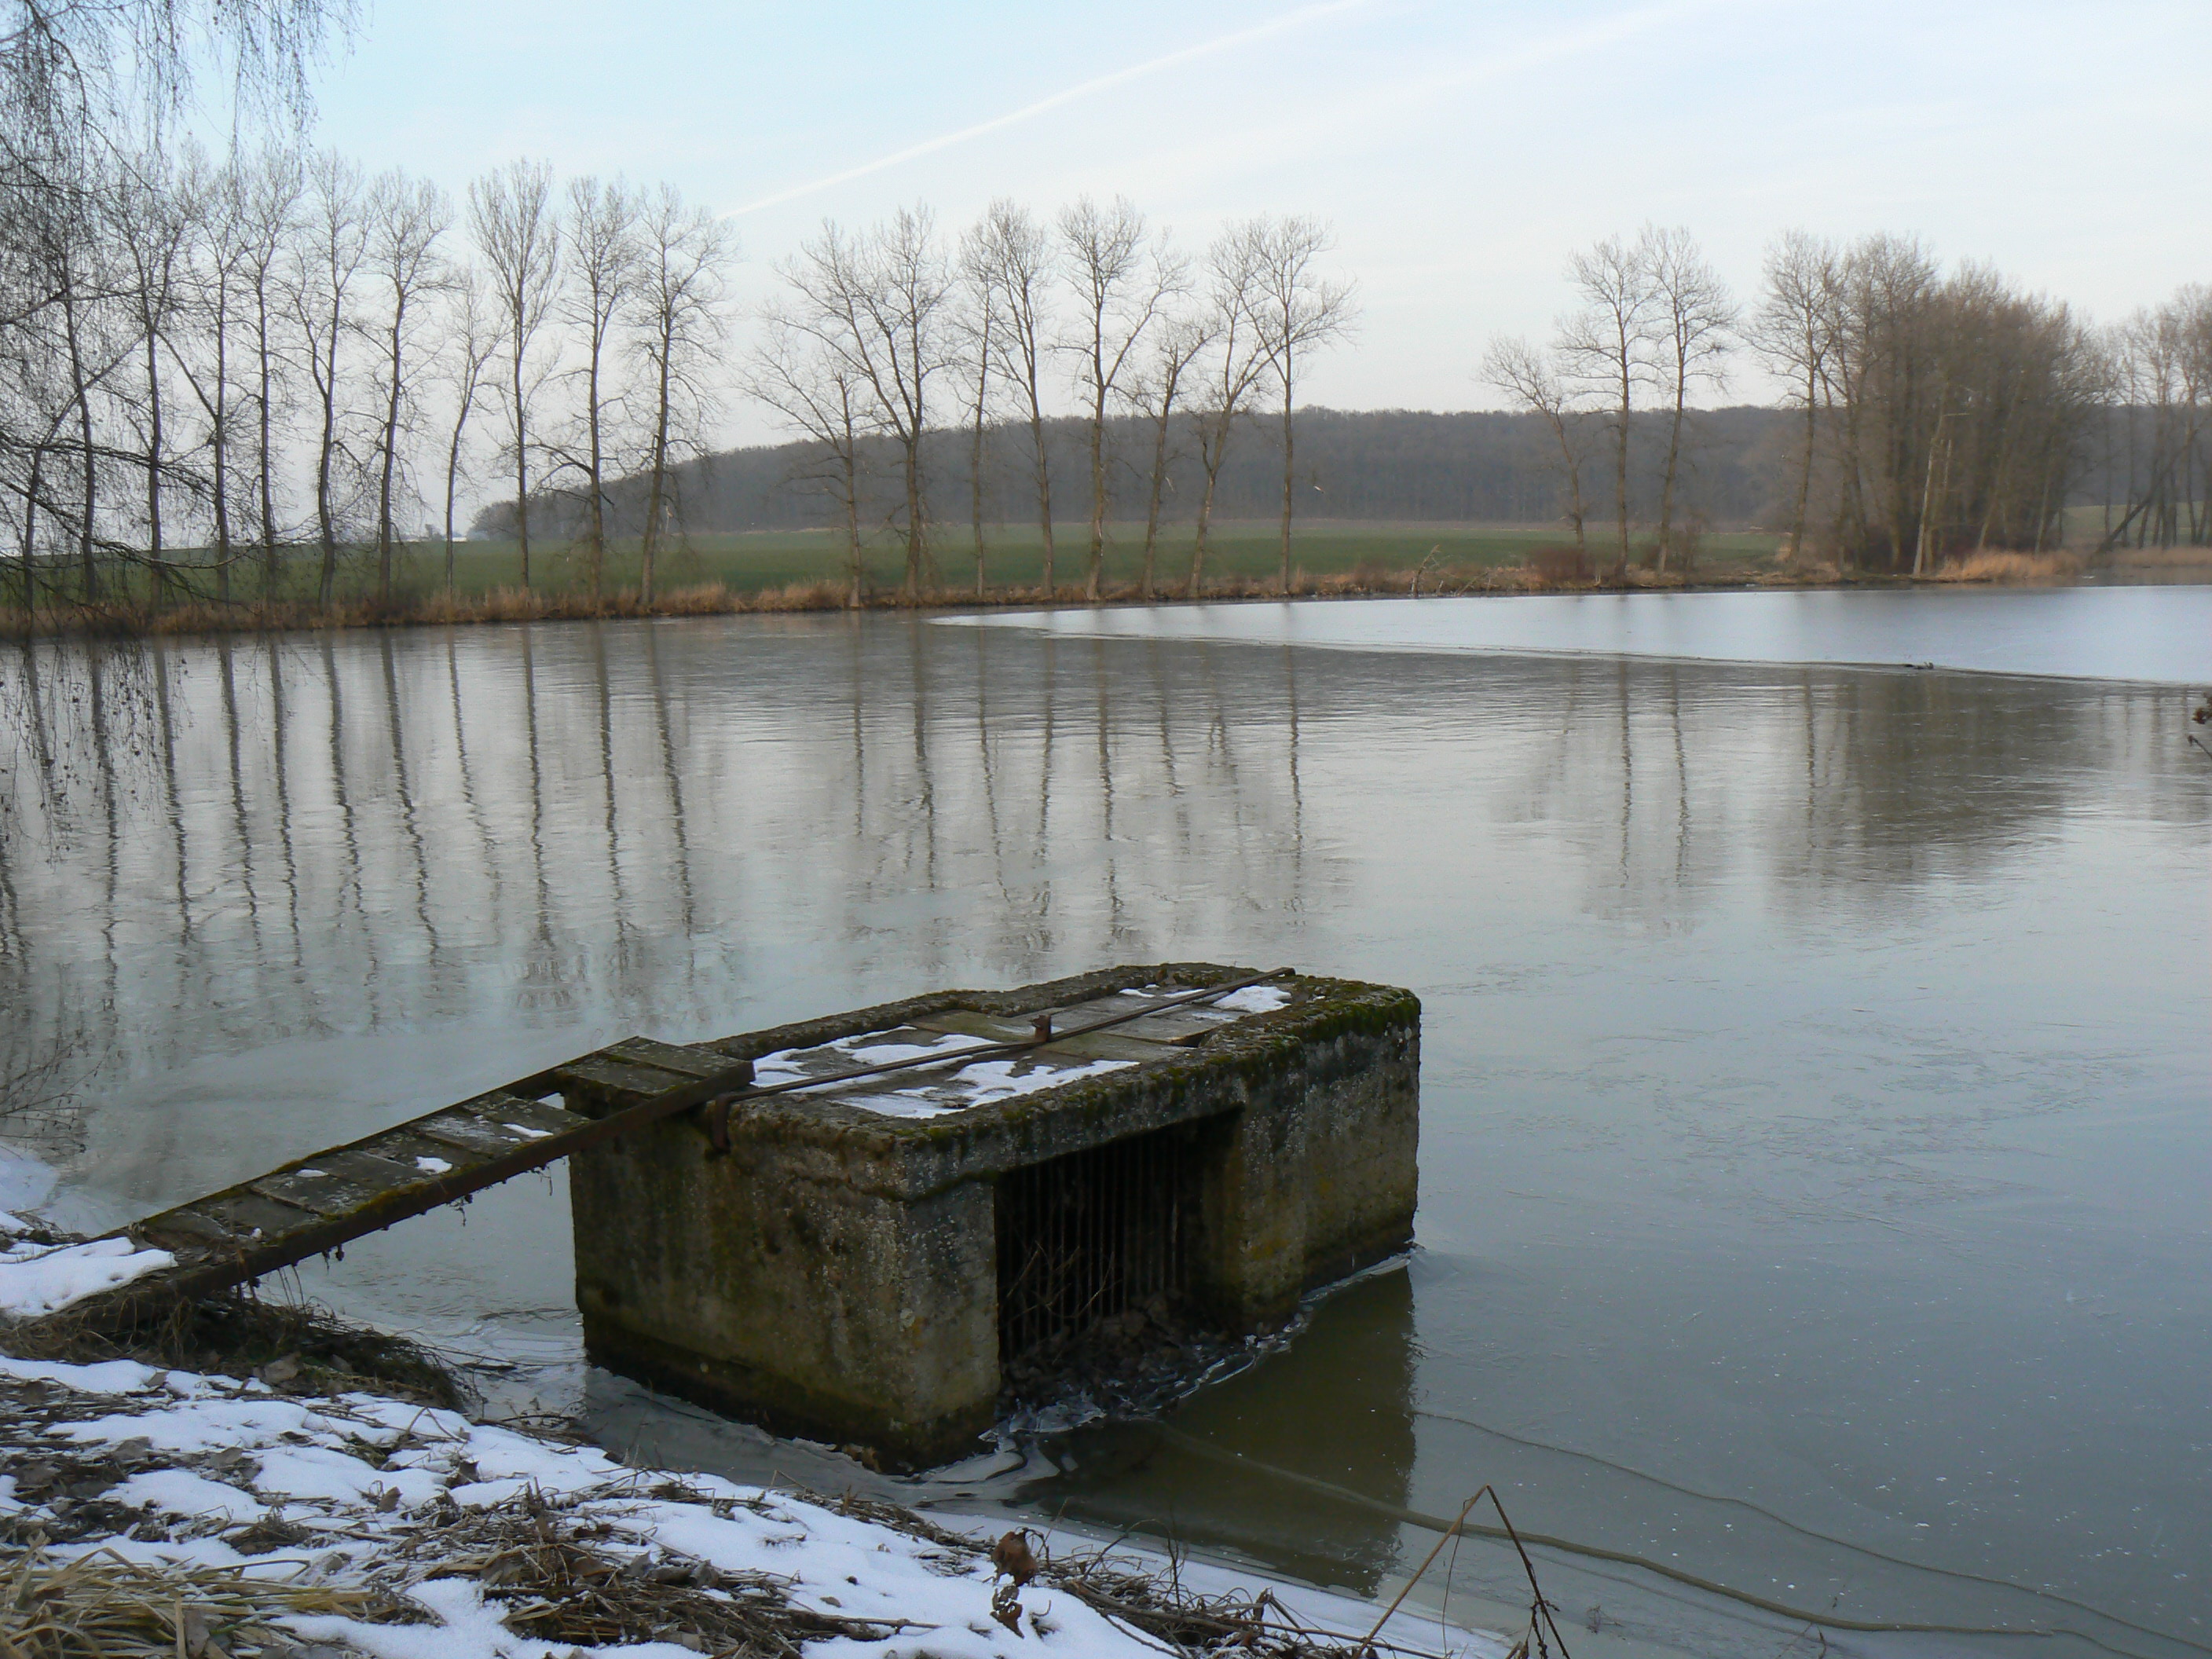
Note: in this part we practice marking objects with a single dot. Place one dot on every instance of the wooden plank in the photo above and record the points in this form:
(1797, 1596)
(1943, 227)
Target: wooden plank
(1181, 1026)
(670, 1057)
(183, 1231)
(967, 1023)
(1122, 1043)
(315, 1204)
(492, 1123)
(245, 1213)
(422, 1154)
(625, 1081)
(335, 1182)
(533, 1119)
(1107, 1045)
(468, 1132)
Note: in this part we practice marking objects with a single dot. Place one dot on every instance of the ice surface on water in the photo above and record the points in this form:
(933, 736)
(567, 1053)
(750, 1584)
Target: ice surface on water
(25, 1182)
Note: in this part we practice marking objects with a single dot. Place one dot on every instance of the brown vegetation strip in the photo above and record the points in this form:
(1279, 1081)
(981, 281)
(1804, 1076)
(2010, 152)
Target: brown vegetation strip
(132, 619)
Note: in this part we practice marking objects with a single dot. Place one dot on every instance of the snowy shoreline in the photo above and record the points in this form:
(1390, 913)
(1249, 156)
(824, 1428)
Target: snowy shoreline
(426, 1514)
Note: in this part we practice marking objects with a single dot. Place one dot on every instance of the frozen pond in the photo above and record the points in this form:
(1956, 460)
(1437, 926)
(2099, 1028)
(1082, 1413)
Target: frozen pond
(2162, 634)
(1815, 1149)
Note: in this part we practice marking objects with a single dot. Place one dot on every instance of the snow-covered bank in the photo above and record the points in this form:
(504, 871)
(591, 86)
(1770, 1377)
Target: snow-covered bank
(38, 1278)
(483, 1542)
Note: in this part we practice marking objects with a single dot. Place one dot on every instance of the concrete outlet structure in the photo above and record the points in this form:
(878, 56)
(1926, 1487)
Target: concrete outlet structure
(865, 1257)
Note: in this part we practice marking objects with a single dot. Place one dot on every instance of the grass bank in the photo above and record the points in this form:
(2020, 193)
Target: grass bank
(803, 570)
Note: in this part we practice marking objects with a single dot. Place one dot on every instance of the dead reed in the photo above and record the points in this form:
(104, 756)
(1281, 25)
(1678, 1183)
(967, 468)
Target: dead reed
(102, 1606)
(557, 1581)
(295, 1347)
(1991, 565)
(122, 619)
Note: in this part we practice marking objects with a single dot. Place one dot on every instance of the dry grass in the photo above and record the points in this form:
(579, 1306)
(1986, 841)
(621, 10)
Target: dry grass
(555, 1580)
(1989, 565)
(571, 1580)
(239, 1333)
(101, 1606)
(2163, 558)
(1430, 579)
(513, 605)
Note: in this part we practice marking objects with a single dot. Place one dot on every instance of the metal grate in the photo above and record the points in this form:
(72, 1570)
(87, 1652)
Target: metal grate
(1094, 1234)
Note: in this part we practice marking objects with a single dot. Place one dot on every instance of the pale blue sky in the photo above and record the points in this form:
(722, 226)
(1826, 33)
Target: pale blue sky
(1460, 150)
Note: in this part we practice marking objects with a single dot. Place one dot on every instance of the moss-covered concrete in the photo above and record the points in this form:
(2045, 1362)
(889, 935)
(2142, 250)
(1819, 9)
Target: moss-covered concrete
(835, 1274)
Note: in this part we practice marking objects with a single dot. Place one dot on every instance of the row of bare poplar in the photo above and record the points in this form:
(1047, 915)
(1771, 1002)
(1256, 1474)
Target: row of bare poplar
(266, 360)
(871, 332)
(271, 354)
(1942, 412)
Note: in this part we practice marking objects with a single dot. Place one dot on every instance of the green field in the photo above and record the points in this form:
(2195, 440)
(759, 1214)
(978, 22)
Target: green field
(754, 562)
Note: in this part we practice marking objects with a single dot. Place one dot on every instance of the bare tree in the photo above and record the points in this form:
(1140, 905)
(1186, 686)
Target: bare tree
(1118, 293)
(1011, 257)
(1696, 321)
(270, 207)
(1795, 333)
(2160, 371)
(603, 258)
(1297, 310)
(474, 336)
(332, 247)
(1960, 408)
(977, 320)
(406, 216)
(511, 217)
(93, 349)
(213, 265)
(1156, 393)
(803, 366)
(679, 323)
(1606, 347)
(73, 78)
(1523, 373)
(880, 301)
(152, 229)
(1237, 358)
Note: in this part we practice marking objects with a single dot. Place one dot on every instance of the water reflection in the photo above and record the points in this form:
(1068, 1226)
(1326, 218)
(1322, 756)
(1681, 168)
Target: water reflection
(1342, 1415)
(1809, 1115)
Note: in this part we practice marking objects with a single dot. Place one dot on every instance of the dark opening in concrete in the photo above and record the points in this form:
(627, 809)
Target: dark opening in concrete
(1095, 1235)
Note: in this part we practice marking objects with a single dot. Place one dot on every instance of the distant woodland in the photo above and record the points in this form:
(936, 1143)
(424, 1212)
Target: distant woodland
(1405, 465)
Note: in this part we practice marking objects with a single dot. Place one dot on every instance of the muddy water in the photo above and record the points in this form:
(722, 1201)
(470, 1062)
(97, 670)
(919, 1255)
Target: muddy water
(1815, 1149)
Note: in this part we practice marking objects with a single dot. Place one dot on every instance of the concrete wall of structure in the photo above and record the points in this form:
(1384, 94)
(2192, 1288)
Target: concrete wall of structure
(777, 1288)
(834, 1274)
(1319, 1176)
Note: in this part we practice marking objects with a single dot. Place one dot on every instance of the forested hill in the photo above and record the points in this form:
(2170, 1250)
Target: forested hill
(1350, 464)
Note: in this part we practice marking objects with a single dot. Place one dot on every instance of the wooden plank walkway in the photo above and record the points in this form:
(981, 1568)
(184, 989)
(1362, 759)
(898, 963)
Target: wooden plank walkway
(316, 1204)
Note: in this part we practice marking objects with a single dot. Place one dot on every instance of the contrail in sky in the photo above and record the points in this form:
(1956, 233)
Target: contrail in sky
(1289, 20)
